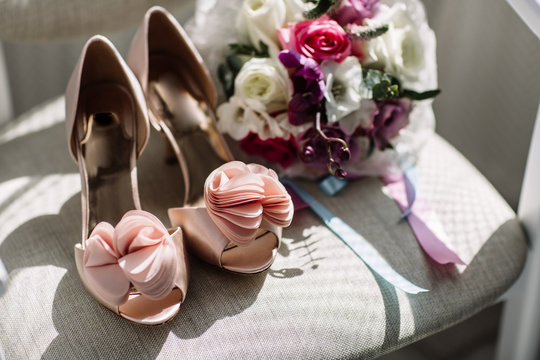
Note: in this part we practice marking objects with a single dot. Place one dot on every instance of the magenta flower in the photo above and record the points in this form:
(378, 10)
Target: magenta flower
(308, 85)
(355, 11)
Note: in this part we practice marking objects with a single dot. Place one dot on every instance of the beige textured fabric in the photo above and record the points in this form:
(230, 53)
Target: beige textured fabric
(34, 20)
(318, 300)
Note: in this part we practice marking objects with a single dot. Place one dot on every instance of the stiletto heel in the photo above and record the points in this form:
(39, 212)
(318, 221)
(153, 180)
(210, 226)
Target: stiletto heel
(137, 269)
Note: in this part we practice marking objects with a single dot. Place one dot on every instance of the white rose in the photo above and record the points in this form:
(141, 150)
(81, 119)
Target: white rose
(259, 20)
(342, 91)
(238, 117)
(264, 80)
(402, 50)
(295, 10)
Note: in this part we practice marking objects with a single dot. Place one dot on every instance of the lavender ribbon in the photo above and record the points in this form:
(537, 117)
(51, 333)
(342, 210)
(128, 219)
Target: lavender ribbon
(356, 242)
(423, 221)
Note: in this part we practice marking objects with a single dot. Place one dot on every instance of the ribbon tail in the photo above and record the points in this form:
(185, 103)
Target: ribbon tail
(356, 242)
(422, 219)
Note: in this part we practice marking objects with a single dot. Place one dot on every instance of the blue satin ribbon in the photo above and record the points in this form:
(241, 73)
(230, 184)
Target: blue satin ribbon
(410, 177)
(331, 185)
(356, 242)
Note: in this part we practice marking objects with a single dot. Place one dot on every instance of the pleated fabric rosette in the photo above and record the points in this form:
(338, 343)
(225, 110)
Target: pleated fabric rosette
(238, 197)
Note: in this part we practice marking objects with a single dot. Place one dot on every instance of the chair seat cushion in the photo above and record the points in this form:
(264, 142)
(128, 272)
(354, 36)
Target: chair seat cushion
(318, 300)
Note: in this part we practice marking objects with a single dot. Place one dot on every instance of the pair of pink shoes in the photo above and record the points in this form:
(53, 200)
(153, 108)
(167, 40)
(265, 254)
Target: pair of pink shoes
(138, 268)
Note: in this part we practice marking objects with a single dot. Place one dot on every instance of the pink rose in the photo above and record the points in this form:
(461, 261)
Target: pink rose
(139, 252)
(321, 39)
(238, 197)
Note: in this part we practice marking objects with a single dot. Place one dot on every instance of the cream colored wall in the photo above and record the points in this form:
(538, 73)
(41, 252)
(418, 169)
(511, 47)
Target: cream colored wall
(489, 71)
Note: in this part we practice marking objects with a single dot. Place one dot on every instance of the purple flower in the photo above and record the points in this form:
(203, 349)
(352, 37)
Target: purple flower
(355, 11)
(388, 119)
(308, 85)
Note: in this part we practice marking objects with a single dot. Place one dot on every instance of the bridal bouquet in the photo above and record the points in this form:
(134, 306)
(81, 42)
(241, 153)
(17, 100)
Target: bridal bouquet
(327, 86)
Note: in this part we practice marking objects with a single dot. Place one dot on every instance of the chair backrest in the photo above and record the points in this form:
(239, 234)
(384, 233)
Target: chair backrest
(520, 331)
(6, 110)
(529, 11)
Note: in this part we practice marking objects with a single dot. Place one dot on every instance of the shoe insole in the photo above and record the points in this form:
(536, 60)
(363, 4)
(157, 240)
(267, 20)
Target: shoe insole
(108, 153)
(176, 97)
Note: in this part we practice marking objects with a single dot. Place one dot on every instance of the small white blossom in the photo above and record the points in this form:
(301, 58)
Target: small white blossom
(342, 91)
(238, 117)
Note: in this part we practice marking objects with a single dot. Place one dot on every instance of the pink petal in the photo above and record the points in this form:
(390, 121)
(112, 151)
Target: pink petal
(158, 284)
(109, 282)
(99, 246)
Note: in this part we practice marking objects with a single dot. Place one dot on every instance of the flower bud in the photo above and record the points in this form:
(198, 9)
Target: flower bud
(308, 153)
(340, 173)
(344, 153)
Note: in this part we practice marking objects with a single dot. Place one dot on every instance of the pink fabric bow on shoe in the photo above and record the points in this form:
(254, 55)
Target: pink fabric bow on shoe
(240, 227)
(137, 269)
(138, 251)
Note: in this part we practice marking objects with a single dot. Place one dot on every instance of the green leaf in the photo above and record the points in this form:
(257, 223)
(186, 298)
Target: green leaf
(371, 147)
(364, 33)
(251, 51)
(226, 77)
(321, 7)
(418, 96)
(378, 86)
(235, 62)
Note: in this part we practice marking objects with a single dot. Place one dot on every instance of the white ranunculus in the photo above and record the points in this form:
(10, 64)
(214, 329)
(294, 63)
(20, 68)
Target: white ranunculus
(401, 51)
(259, 20)
(342, 91)
(238, 117)
(264, 80)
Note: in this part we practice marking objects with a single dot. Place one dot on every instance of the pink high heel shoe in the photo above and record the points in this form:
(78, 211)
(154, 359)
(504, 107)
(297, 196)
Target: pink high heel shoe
(181, 98)
(239, 229)
(137, 269)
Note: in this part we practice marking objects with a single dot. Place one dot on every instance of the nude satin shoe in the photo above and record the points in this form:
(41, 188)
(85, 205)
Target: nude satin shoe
(138, 268)
(236, 233)
(181, 97)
